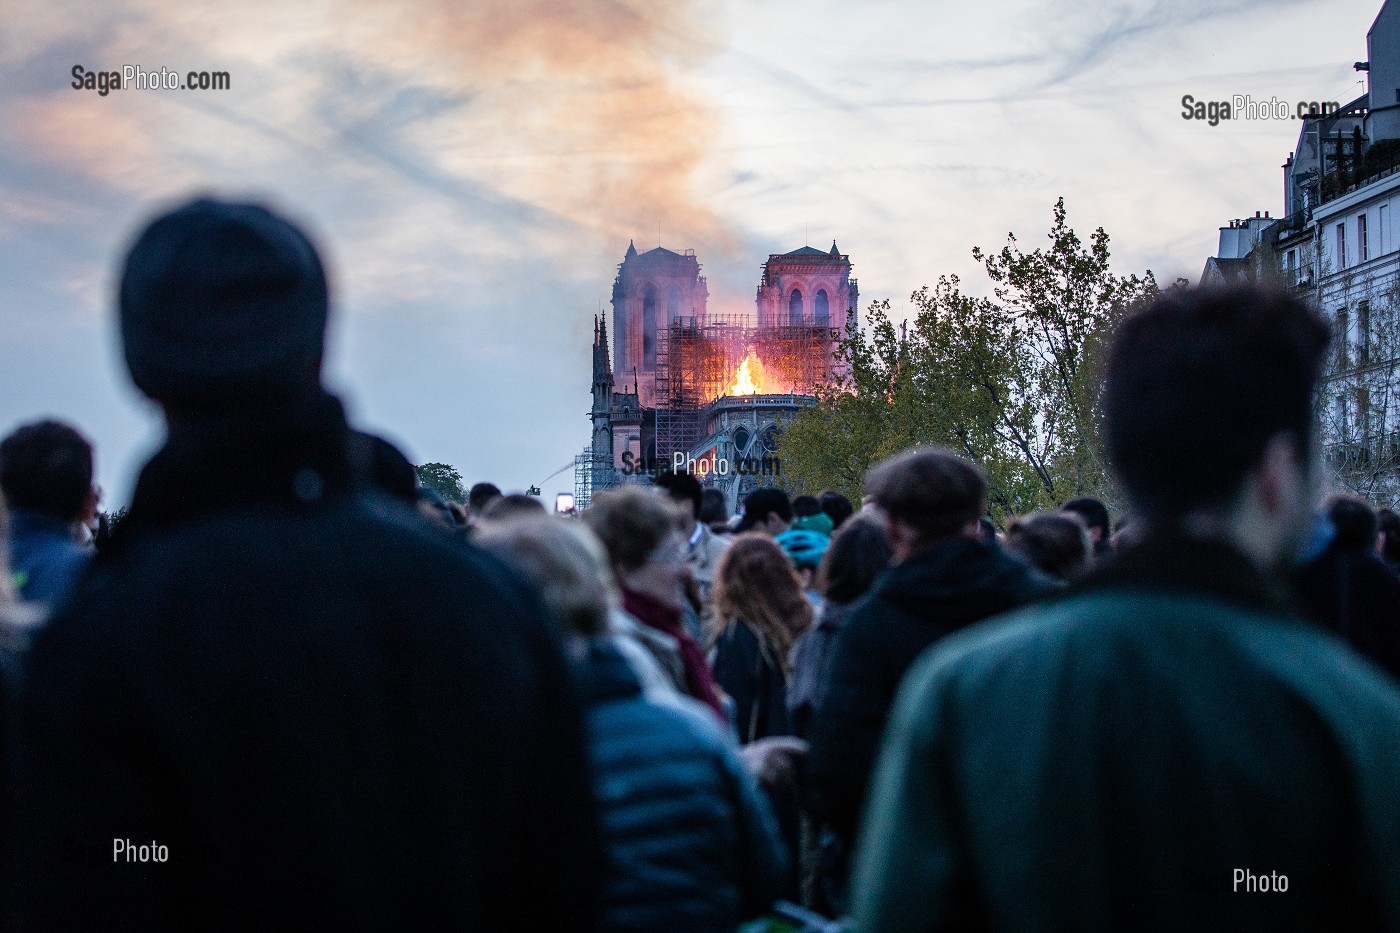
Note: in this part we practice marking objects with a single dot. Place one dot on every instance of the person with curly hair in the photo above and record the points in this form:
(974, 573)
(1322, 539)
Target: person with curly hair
(759, 612)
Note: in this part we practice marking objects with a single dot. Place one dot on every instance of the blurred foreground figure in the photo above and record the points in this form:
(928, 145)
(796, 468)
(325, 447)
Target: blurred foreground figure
(46, 478)
(1164, 748)
(280, 699)
(690, 843)
(944, 577)
(1348, 589)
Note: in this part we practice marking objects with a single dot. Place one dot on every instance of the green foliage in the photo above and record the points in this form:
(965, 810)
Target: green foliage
(114, 519)
(1011, 381)
(443, 479)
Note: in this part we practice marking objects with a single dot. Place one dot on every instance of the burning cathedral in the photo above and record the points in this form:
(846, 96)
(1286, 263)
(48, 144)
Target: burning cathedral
(675, 385)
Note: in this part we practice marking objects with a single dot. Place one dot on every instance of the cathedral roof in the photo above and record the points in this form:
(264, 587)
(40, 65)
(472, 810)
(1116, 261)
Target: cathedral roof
(807, 251)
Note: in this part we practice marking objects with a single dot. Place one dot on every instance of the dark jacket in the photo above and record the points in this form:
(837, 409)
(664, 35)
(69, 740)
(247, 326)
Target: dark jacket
(1350, 592)
(330, 716)
(943, 588)
(809, 663)
(1121, 758)
(691, 845)
(752, 675)
(44, 558)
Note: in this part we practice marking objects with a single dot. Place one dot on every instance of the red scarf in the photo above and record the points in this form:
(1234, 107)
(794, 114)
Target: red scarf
(652, 613)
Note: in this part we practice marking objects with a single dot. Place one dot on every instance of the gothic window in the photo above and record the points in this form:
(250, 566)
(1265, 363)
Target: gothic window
(769, 438)
(650, 311)
(822, 310)
(795, 307)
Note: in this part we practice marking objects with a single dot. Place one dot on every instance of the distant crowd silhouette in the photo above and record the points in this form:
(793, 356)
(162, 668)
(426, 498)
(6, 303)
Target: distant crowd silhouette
(295, 688)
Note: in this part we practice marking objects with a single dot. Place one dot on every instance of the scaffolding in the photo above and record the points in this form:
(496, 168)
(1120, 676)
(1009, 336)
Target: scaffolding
(593, 473)
(796, 357)
(697, 362)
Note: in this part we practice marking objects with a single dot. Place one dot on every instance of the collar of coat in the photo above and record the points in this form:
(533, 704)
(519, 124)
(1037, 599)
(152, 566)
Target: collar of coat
(1205, 566)
(297, 456)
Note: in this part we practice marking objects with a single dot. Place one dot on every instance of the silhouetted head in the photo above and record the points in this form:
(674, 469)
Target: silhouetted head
(683, 488)
(46, 467)
(859, 552)
(1355, 523)
(1208, 414)
(837, 506)
(768, 510)
(1056, 543)
(481, 495)
(927, 493)
(223, 307)
(1094, 515)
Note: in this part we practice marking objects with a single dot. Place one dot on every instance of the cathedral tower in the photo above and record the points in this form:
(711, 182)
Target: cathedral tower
(651, 290)
(809, 287)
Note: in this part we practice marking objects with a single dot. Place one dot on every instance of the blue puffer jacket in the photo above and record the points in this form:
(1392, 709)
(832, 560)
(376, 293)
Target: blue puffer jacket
(691, 843)
(44, 557)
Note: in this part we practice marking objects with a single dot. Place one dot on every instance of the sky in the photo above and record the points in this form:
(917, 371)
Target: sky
(473, 172)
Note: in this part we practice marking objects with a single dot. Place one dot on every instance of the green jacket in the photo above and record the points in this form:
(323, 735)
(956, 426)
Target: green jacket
(1130, 757)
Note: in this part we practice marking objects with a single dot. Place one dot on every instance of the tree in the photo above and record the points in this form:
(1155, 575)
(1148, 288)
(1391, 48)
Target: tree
(1011, 381)
(857, 419)
(1358, 405)
(443, 479)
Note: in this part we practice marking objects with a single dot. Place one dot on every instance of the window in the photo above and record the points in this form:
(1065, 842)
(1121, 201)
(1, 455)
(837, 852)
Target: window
(1342, 337)
(1363, 333)
(1342, 245)
(1363, 252)
(822, 309)
(1383, 237)
(795, 307)
(1292, 267)
(650, 312)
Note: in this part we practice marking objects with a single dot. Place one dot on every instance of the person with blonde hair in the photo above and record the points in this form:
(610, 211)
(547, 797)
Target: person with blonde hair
(690, 841)
(570, 568)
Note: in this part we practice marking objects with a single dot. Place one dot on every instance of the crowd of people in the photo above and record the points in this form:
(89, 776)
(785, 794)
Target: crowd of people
(292, 686)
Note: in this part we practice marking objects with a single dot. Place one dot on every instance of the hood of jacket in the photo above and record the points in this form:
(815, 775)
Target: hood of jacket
(959, 578)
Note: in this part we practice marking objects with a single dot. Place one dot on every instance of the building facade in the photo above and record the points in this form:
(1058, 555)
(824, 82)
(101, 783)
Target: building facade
(1338, 242)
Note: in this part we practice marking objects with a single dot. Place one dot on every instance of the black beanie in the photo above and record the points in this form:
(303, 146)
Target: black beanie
(223, 305)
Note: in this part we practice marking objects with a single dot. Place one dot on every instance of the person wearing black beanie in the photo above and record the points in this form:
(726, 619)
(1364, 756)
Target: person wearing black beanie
(223, 306)
(279, 698)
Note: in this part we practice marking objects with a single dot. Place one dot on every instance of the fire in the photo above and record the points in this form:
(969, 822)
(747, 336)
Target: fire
(744, 383)
(749, 377)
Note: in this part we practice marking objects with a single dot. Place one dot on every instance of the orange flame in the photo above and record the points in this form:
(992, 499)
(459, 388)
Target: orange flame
(744, 381)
